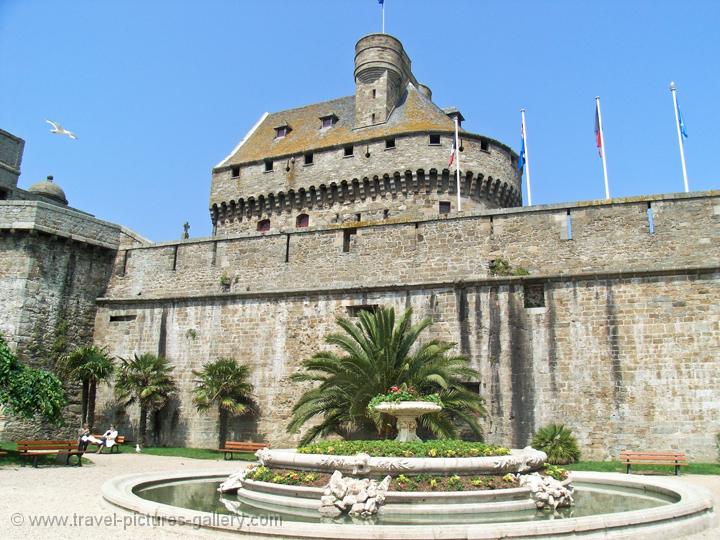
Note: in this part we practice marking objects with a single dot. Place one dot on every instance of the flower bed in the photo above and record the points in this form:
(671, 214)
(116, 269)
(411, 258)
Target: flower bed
(420, 482)
(438, 448)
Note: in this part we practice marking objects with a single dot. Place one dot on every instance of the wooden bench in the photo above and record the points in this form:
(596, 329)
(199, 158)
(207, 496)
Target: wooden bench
(120, 439)
(676, 459)
(35, 449)
(232, 447)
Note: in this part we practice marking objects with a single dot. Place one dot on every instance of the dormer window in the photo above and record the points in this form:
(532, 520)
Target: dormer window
(282, 131)
(328, 121)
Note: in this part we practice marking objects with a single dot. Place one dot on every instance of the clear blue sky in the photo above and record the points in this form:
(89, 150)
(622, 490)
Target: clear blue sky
(160, 91)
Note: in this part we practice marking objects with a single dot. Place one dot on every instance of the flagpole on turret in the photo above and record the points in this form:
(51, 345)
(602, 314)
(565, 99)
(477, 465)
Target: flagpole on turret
(457, 162)
(382, 8)
(680, 132)
(524, 157)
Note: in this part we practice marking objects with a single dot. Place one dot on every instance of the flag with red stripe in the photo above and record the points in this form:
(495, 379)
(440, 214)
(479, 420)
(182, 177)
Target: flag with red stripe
(598, 136)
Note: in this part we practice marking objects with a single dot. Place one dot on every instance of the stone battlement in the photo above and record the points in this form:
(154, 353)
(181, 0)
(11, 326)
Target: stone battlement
(576, 238)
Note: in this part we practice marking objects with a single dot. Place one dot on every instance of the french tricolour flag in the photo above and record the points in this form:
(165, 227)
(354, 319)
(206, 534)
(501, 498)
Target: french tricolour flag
(598, 136)
(453, 150)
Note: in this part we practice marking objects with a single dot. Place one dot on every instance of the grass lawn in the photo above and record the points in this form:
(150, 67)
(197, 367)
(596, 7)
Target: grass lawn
(194, 453)
(13, 458)
(616, 466)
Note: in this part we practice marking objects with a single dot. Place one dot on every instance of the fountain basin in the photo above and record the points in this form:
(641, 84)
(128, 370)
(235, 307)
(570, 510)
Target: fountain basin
(690, 513)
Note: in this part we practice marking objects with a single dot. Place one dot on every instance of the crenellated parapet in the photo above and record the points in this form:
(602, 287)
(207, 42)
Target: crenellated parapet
(422, 193)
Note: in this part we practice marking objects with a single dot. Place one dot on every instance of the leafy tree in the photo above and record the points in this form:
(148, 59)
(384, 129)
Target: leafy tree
(222, 384)
(147, 380)
(90, 366)
(28, 392)
(380, 352)
(558, 443)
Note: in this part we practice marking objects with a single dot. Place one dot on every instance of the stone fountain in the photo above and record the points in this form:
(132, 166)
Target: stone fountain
(407, 413)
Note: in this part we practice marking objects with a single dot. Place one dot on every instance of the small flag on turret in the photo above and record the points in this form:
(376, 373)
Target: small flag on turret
(598, 135)
(521, 157)
(453, 150)
(681, 122)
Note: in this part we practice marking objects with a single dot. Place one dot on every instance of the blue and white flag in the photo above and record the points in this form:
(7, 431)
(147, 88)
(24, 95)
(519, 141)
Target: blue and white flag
(381, 2)
(521, 157)
(680, 121)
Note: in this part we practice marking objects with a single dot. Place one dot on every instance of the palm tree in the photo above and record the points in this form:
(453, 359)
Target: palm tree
(91, 366)
(222, 384)
(380, 352)
(147, 380)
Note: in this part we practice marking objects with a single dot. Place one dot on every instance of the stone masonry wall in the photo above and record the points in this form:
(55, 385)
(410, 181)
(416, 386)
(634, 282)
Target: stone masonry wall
(54, 263)
(604, 237)
(411, 153)
(625, 362)
(48, 287)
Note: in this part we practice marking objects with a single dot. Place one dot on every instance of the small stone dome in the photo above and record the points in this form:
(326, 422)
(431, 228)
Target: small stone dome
(48, 188)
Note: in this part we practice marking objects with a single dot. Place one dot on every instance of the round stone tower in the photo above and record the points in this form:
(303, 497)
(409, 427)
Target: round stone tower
(382, 69)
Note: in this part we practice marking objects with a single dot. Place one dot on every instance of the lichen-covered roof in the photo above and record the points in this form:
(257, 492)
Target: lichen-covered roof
(415, 112)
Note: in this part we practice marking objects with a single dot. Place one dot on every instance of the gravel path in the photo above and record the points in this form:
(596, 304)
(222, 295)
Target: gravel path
(74, 493)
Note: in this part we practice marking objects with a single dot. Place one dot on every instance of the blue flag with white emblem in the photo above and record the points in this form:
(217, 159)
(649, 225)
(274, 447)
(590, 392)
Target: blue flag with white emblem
(681, 121)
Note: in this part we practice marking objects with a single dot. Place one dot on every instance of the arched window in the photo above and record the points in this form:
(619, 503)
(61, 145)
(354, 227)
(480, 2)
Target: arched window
(263, 225)
(303, 220)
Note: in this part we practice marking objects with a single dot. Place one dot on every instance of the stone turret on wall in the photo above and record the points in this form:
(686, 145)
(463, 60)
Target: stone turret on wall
(382, 70)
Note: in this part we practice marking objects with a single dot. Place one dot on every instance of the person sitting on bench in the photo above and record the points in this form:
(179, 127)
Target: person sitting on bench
(108, 438)
(83, 437)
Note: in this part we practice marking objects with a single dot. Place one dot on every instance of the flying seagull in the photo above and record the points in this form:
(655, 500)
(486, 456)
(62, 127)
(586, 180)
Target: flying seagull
(59, 130)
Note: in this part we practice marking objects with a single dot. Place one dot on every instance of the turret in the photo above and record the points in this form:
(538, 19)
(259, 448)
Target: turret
(382, 70)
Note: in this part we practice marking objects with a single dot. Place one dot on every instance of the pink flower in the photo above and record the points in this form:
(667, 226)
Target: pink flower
(394, 389)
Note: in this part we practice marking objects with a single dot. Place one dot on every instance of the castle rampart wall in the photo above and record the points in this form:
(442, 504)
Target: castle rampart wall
(604, 237)
(626, 361)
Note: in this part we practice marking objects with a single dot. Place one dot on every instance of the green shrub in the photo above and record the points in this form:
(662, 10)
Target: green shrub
(558, 473)
(437, 448)
(558, 443)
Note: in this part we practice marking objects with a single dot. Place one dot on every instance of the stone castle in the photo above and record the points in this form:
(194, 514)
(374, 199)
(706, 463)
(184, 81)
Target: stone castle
(341, 206)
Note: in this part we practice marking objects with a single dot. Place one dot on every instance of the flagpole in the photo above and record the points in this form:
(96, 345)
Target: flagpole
(457, 163)
(602, 146)
(526, 161)
(383, 17)
(673, 90)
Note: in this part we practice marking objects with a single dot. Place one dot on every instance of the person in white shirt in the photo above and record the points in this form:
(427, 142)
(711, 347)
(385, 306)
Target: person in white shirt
(108, 439)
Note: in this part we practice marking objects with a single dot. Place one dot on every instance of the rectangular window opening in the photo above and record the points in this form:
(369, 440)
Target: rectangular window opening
(434, 139)
(213, 261)
(347, 239)
(484, 145)
(287, 248)
(175, 257)
(122, 318)
(235, 172)
(268, 165)
(651, 218)
(125, 262)
(444, 207)
(348, 151)
(373, 114)
(374, 93)
(309, 158)
(354, 311)
(3, 195)
(534, 295)
(569, 226)
(389, 143)
(358, 216)
(386, 213)
(492, 225)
